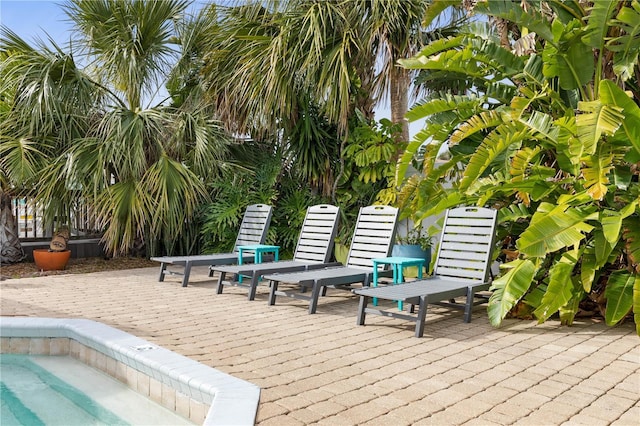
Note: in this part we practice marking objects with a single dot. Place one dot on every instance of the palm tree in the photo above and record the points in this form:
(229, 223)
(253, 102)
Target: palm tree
(269, 64)
(98, 134)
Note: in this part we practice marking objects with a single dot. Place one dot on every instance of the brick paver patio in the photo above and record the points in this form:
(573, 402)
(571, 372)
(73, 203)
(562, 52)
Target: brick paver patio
(324, 369)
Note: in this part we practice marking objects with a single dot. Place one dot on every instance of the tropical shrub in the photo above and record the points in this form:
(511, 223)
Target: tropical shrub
(548, 132)
(83, 125)
(230, 196)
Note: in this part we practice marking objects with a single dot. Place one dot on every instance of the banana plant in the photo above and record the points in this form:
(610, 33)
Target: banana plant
(550, 135)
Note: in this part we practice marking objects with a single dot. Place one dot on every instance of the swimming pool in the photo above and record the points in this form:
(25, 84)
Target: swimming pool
(59, 390)
(191, 389)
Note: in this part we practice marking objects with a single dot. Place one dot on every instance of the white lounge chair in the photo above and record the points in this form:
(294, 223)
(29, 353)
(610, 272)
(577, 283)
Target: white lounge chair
(462, 268)
(314, 249)
(253, 230)
(373, 238)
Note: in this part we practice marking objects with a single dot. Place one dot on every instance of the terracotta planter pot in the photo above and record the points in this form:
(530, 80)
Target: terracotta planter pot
(51, 260)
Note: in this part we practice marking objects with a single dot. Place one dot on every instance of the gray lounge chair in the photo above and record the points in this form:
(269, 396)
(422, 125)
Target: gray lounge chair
(313, 250)
(373, 237)
(253, 230)
(462, 268)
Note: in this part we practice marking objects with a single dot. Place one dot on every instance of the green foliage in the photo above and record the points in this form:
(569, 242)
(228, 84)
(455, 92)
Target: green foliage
(557, 156)
(90, 135)
(371, 150)
(510, 288)
(619, 295)
(417, 236)
(231, 194)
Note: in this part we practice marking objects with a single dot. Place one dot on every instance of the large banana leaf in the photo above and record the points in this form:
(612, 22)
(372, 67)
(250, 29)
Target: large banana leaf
(541, 123)
(512, 11)
(598, 25)
(520, 165)
(575, 64)
(631, 236)
(435, 47)
(560, 288)
(513, 213)
(596, 171)
(533, 70)
(611, 221)
(436, 8)
(619, 294)
(610, 94)
(510, 288)
(569, 149)
(589, 266)
(482, 121)
(463, 62)
(497, 57)
(447, 103)
(553, 228)
(603, 248)
(570, 309)
(493, 145)
(596, 120)
(627, 43)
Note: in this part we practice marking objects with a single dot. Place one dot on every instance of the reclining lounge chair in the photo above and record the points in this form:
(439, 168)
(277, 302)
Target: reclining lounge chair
(253, 230)
(462, 268)
(372, 238)
(313, 250)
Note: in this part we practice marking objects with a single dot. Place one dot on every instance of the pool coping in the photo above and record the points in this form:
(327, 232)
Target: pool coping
(232, 401)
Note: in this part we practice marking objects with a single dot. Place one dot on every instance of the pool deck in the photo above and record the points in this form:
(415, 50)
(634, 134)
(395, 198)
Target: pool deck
(324, 369)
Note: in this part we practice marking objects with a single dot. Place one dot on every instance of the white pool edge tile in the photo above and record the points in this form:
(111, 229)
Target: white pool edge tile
(232, 401)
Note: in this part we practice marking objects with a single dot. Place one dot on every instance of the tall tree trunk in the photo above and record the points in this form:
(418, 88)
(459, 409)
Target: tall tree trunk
(399, 86)
(10, 248)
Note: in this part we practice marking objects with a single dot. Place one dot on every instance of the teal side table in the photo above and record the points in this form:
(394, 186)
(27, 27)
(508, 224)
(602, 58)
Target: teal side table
(397, 265)
(258, 250)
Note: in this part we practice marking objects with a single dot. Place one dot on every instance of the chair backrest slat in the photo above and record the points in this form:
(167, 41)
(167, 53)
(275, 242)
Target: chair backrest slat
(319, 229)
(466, 244)
(254, 226)
(373, 236)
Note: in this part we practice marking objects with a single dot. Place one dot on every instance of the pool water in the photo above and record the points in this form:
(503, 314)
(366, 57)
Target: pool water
(60, 390)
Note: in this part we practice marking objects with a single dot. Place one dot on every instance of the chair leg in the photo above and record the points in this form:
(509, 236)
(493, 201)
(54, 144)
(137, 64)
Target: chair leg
(187, 272)
(362, 305)
(468, 308)
(163, 267)
(422, 313)
(253, 286)
(315, 295)
(272, 292)
(220, 286)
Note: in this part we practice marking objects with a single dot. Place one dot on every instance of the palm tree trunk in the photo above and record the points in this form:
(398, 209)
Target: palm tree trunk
(399, 85)
(10, 248)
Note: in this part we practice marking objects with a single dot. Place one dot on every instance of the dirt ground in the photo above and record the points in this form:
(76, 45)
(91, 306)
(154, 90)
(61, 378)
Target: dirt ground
(75, 266)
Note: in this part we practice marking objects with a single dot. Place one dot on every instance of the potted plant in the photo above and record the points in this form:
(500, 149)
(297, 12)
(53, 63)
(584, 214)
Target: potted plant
(57, 255)
(416, 243)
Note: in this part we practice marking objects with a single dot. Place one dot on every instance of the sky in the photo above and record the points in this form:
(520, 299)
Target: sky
(30, 19)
